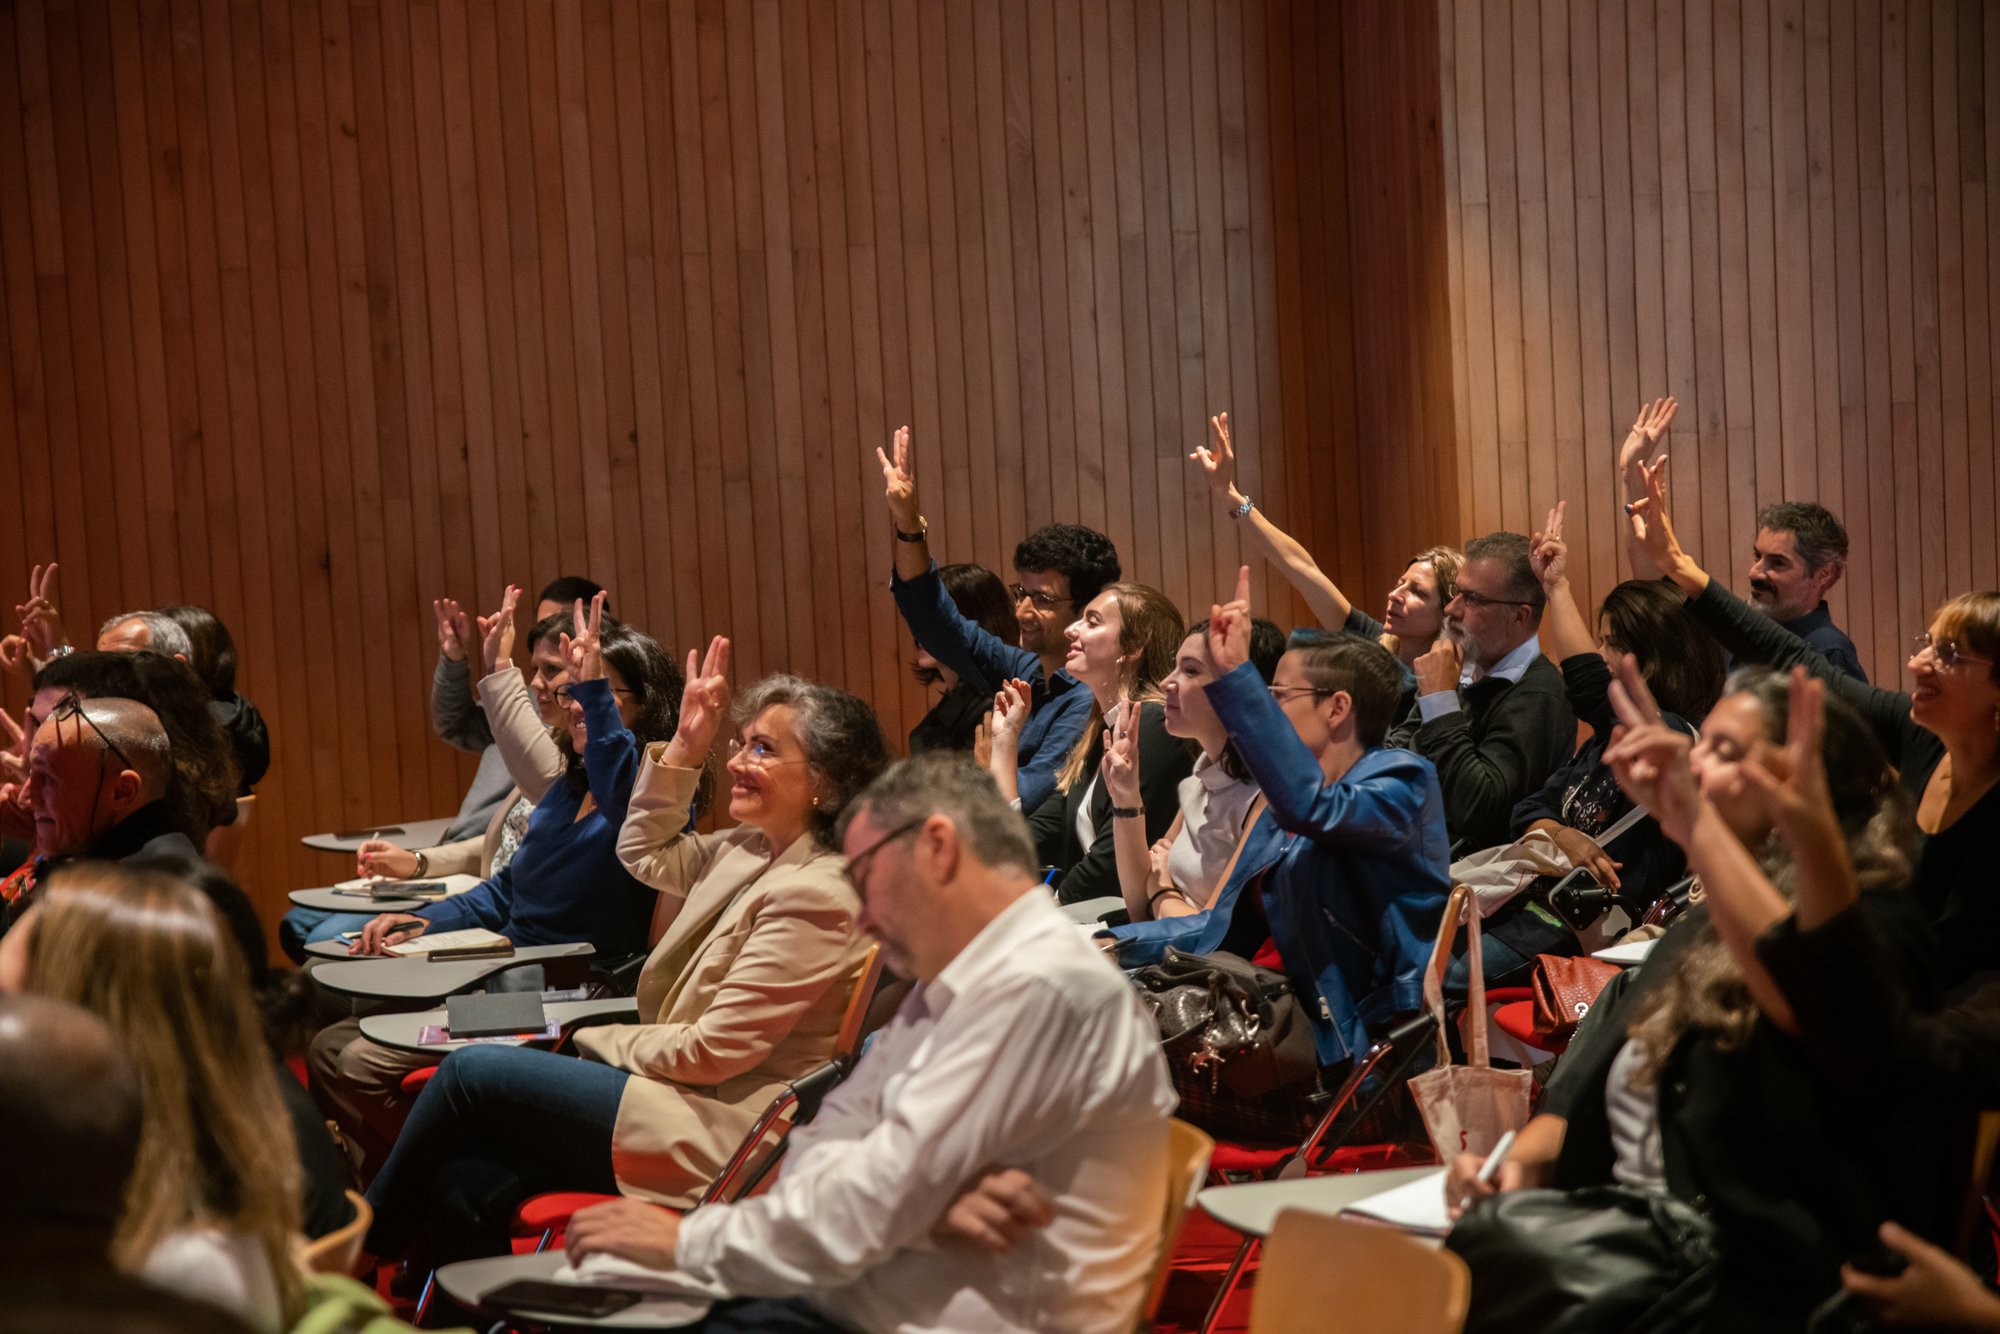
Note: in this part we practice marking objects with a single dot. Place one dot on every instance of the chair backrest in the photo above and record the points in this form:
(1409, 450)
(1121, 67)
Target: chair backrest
(1188, 1149)
(1321, 1273)
(857, 1003)
(225, 841)
(336, 1252)
(1985, 1140)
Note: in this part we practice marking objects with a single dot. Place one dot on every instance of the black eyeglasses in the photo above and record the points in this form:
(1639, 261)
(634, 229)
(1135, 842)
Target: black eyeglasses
(861, 858)
(71, 706)
(1044, 600)
(563, 695)
(1473, 599)
(1283, 693)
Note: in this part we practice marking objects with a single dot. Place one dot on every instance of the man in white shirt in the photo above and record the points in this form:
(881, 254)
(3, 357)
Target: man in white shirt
(1018, 1096)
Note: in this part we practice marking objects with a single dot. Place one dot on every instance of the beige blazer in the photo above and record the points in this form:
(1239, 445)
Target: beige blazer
(744, 991)
(533, 760)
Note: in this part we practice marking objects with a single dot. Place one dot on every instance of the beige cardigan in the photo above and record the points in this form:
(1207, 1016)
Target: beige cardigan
(753, 963)
(533, 760)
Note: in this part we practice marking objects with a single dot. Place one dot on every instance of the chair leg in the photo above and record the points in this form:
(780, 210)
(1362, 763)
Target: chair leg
(1229, 1282)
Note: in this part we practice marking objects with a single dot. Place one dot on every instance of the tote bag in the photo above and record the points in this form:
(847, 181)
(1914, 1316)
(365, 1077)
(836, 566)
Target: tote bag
(1466, 1108)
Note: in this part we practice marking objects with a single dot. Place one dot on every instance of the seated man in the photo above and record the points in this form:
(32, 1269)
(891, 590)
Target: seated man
(1492, 713)
(130, 631)
(1060, 568)
(456, 712)
(1019, 1049)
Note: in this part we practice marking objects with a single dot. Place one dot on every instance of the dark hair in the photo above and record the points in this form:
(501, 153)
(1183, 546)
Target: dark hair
(1859, 778)
(573, 588)
(1681, 663)
(1367, 672)
(1082, 555)
(211, 650)
(843, 741)
(557, 623)
(1511, 550)
(649, 673)
(982, 599)
(1820, 538)
(947, 783)
(202, 792)
(1267, 645)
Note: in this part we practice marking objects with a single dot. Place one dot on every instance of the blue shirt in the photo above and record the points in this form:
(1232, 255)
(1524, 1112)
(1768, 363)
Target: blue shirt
(566, 882)
(1355, 894)
(978, 656)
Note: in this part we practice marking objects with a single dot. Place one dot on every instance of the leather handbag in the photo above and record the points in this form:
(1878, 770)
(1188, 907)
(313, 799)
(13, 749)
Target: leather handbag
(1227, 1025)
(1565, 987)
(1604, 1258)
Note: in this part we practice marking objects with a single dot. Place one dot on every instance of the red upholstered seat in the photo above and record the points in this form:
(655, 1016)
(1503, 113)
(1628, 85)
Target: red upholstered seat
(414, 1081)
(1517, 1020)
(540, 1215)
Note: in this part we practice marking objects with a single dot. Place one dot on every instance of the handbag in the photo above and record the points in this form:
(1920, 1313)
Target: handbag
(1604, 1258)
(1565, 987)
(1226, 1025)
(1466, 1108)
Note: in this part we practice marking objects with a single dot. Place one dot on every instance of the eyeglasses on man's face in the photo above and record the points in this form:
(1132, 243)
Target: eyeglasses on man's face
(856, 875)
(1285, 694)
(1944, 652)
(1476, 600)
(1041, 598)
(71, 706)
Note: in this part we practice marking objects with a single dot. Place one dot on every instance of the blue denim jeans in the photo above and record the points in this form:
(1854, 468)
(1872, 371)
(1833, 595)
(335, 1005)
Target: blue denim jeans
(1510, 939)
(301, 926)
(767, 1315)
(494, 1126)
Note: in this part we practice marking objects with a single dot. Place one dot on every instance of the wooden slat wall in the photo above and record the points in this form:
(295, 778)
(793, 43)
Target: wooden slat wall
(1775, 210)
(315, 311)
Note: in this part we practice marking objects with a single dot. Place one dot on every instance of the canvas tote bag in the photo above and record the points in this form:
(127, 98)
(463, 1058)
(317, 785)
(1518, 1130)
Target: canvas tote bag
(1466, 1108)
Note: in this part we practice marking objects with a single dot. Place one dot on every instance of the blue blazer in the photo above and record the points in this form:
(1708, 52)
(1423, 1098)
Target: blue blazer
(1358, 884)
(1203, 932)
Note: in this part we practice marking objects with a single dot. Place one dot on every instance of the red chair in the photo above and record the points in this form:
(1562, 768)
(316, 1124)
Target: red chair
(1322, 1150)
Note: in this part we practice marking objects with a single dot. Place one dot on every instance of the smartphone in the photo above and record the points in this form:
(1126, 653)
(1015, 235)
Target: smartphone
(585, 1301)
(407, 889)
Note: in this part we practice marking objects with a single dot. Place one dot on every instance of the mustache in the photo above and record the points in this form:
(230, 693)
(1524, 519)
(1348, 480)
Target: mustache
(1763, 586)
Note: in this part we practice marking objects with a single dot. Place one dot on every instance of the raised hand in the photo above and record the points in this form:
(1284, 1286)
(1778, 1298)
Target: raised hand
(982, 741)
(1642, 442)
(1799, 801)
(1229, 627)
(1120, 765)
(496, 632)
(454, 628)
(14, 759)
(899, 482)
(1548, 554)
(14, 657)
(1012, 704)
(704, 704)
(40, 624)
(583, 650)
(1650, 533)
(1439, 667)
(1218, 463)
(1650, 759)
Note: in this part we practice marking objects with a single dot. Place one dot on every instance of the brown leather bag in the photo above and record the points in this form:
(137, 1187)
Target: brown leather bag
(1565, 988)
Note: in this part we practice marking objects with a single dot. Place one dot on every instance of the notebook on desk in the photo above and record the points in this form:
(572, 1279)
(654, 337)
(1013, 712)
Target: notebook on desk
(1416, 1206)
(472, 937)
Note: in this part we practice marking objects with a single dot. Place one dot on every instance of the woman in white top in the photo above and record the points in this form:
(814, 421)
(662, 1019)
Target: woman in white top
(212, 1207)
(1181, 873)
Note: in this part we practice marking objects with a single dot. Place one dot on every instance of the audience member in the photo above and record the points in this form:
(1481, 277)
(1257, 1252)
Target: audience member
(1120, 647)
(564, 883)
(1183, 871)
(212, 656)
(455, 711)
(1058, 571)
(132, 631)
(1413, 616)
(1019, 1048)
(953, 722)
(1491, 713)
(1675, 1075)
(755, 954)
(1943, 737)
(212, 1207)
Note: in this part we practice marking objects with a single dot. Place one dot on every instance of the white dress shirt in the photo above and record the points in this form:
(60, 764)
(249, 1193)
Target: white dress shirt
(1213, 805)
(1029, 1050)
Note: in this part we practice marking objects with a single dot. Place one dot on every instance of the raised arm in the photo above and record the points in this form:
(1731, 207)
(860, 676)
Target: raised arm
(455, 715)
(1564, 631)
(1329, 605)
(1149, 892)
(1643, 443)
(899, 492)
(1011, 706)
(655, 843)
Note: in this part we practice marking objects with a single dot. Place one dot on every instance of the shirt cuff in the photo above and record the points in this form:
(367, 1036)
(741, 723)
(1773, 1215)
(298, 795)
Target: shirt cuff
(1437, 704)
(695, 1249)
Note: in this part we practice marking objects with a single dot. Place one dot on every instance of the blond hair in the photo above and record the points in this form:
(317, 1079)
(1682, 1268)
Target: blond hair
(148, 954)
(1445, 563)
(1150, 629)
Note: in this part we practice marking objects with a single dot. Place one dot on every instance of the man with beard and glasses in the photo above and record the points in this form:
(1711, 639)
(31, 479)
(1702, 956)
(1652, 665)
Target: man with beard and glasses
(1492, 713)
(1800, 553)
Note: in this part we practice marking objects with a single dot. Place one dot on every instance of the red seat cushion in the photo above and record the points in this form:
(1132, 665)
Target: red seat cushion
(1517, 1020)
(414, 1081)
(539, 1213)
(1507, 995)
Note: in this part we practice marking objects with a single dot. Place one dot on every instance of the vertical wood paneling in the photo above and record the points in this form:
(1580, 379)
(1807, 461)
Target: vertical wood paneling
(1790, 202)
(317, 310)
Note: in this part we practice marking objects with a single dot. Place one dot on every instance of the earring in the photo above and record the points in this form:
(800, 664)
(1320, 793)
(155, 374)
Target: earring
(815, 803)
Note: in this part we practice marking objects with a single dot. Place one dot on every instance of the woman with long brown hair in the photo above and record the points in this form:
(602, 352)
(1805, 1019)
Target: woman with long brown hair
(212, 1207)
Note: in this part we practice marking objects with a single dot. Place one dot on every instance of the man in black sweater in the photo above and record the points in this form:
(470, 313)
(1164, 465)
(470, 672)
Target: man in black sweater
(1491, 711)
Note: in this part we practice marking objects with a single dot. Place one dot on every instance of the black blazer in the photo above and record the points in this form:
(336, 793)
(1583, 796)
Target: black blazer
(1795, 1173)
(1164, 760)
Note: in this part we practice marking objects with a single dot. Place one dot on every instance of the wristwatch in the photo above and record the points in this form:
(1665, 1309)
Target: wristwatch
(923, 531)
(60, 651)
(1127, 812)
(1243, 509)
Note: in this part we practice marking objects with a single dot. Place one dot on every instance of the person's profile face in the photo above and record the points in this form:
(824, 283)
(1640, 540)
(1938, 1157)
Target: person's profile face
(1187, 711)
(67, 778)
(547, 673)
(1780, 583)
(1413, 611)
(1042, 606)
(879, 874)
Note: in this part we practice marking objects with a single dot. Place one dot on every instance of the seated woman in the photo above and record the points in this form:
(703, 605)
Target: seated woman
(1412, 617)
(1354, 878)
(1182, 873)
(214, 661)
(1119, 648)
(1681, 1079)
(564, 884)
(1682, 667)
(1943, 737)
(523, 717)
(212, 1207)
(756, 951)
(954, 719)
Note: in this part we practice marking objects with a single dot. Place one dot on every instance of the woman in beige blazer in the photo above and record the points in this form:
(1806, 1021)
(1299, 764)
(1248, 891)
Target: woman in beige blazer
(756, 952)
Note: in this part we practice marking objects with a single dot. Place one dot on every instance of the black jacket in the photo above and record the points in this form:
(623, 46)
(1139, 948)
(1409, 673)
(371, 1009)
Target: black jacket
(952, 720)
(1164, 760)
(1502, 743)
(1796, 1174)
(249, 739)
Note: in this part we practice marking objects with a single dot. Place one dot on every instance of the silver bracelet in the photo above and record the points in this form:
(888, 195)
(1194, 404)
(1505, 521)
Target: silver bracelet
(1243, 509)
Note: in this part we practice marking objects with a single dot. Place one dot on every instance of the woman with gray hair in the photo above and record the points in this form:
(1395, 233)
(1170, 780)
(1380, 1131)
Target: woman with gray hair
(756, 949)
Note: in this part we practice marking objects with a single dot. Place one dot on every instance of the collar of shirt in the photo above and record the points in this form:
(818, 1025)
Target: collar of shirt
(1811, 621)
(1213, 776)
(1509, 668)
(990, 951)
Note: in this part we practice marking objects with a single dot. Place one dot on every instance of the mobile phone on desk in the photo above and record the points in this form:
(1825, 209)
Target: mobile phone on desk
(581, 1300)
(407, 889)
